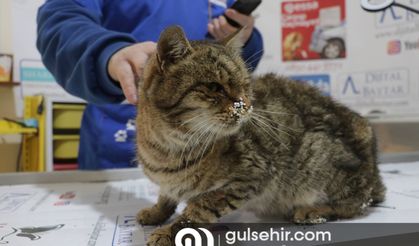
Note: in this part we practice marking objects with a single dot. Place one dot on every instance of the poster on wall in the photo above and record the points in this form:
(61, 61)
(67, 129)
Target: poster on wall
(6, 66)
(313, 30)
(365, 60)
(36, 79)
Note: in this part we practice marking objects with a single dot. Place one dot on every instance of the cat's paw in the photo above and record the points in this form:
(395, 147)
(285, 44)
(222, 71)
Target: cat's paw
(160, 237)
(151, 216)
(309, 215)
(310, 221)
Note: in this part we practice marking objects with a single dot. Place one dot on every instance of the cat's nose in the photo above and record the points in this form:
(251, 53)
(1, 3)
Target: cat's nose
(240, 108)
(242, 104)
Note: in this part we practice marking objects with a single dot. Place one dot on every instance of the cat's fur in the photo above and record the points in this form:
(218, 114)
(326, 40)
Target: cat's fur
(213, 136)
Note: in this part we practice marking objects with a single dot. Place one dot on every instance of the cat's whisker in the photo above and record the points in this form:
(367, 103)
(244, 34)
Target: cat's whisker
(198, 136)
(271, 112)
(256, 125)
(185, 122)
(275, 123)
(191, 119)
(266, 126)
(254, 56)
(204, 135)
(201, 136)
(212, 138)
(278, 113)
(191, 130)
(270, 123)
(209, 138)
(217, 134)
(195, 130)
(271, 135)
(268, 129)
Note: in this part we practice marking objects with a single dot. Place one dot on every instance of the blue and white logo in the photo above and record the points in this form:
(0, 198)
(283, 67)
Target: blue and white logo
(321, 81)
(394, 16)
(372, 85)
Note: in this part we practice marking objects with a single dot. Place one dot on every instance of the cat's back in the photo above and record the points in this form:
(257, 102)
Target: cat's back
(272, 88)
(303, 109)
(297, 98)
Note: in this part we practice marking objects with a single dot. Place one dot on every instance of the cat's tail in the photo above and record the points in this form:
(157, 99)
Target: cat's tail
(378, 191)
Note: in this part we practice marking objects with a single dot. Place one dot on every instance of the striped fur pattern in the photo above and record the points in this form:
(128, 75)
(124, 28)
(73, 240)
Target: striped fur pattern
(213, 136)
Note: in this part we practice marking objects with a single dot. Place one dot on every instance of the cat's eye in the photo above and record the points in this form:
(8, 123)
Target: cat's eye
(215, 87)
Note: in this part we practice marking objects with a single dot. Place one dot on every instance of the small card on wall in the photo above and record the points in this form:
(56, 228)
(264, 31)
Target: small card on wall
(6, 68)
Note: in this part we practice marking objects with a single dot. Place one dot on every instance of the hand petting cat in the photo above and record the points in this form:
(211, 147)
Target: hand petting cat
(126, 66)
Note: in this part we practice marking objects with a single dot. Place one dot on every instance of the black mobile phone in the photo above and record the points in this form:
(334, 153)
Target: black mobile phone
(245, 7)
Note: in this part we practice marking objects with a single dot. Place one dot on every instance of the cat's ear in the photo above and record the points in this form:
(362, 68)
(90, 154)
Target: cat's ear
(234, 40)
(172, 46)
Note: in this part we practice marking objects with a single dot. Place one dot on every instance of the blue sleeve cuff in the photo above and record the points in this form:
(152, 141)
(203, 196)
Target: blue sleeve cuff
(253, 49)
(110, 86)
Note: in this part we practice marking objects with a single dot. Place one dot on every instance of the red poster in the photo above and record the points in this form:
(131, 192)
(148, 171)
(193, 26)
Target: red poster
(313, 29)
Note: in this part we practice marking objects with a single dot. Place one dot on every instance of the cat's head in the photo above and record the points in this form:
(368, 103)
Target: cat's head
(199, 84)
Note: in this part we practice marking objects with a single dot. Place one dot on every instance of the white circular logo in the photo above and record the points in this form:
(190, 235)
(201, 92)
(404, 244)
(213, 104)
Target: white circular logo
(196, 236)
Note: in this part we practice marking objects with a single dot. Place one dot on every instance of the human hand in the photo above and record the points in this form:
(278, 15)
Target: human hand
(220, 29)
(127, 64)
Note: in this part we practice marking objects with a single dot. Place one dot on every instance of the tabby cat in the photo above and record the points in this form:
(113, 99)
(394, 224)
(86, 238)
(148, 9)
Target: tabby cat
(213, 136)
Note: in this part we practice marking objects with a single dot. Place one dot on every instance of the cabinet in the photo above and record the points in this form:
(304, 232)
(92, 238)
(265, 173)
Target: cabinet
(53, 144)
(62, 125)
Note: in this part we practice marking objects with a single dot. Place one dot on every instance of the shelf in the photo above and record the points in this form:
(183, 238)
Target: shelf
(66, 137)
(69, 106)
(7, 127)
(378, 119)
(9, 84)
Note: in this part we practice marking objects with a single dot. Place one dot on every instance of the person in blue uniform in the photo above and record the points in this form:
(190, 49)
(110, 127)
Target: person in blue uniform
(96, 50)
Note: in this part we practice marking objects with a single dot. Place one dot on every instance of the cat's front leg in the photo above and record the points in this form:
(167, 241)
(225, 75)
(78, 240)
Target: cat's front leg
(209, 207)
(159, 213)
(205, 208)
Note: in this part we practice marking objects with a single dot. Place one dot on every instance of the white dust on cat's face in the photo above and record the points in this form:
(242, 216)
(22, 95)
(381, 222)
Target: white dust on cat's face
(239, 110)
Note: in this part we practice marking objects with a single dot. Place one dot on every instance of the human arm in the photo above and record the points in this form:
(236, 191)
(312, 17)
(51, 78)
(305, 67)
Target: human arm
(76, 49)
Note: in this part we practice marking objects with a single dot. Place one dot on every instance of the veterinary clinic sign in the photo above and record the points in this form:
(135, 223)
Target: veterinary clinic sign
(375, 86)
(380, 91)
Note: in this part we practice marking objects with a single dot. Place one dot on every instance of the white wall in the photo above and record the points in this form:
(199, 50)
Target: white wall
(5, 24)
(9, 145)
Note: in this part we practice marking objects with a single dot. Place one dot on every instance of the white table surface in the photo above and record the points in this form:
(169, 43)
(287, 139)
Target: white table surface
(81, 212)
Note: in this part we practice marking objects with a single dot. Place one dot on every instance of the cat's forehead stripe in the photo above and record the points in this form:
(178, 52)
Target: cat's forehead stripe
(214, 57)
